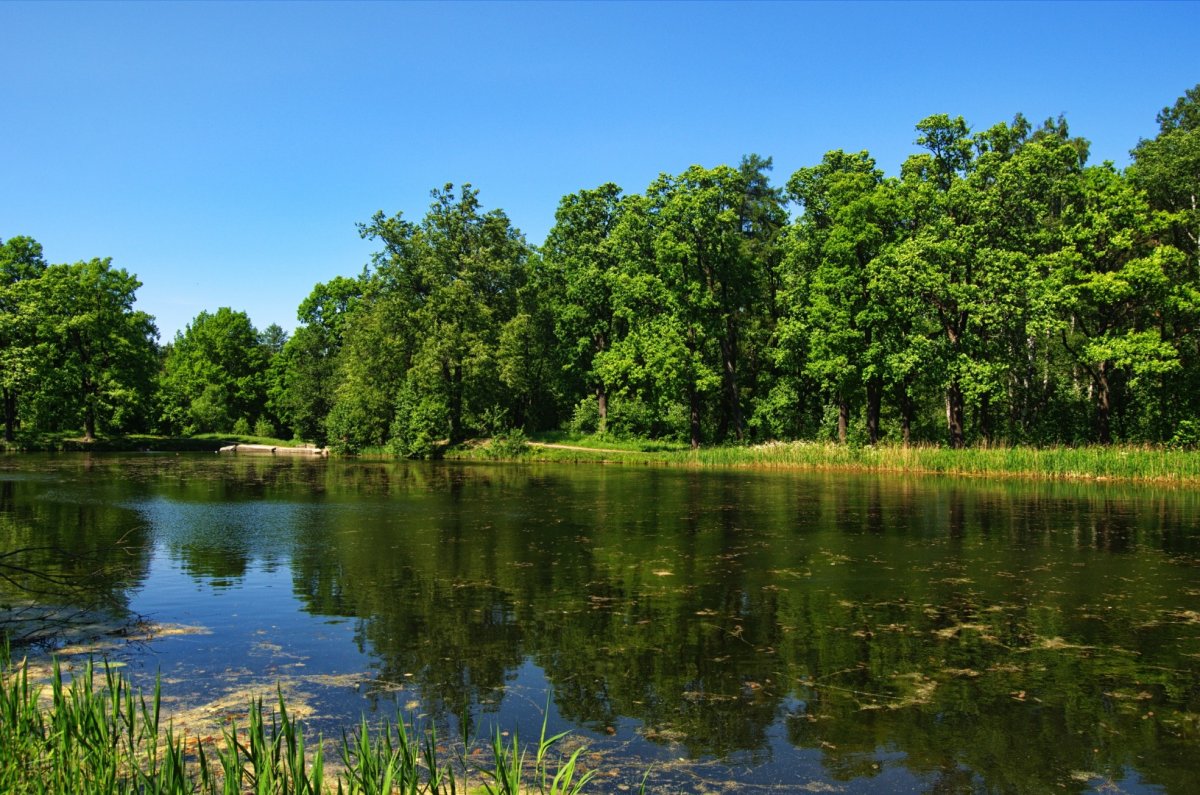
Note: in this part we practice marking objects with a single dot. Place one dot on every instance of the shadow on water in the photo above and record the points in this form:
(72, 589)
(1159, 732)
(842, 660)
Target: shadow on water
(734, 630)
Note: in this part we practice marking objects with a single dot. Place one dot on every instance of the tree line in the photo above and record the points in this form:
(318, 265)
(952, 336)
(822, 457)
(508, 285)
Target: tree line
(1001, 289)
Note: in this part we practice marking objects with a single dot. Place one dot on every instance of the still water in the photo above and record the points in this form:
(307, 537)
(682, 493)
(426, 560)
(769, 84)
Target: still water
(728, 631)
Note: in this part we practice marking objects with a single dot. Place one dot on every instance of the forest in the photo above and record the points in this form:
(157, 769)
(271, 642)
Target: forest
(1000, 290)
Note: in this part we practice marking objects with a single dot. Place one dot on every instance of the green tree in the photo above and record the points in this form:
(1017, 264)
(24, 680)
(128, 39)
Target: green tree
(214, 374)
(430, 326)
(99, 352)
(701, 254)
(580, 257)
(21, 265)
(302, 376)
(1167, 167)
(848, 220)
(1111, 284)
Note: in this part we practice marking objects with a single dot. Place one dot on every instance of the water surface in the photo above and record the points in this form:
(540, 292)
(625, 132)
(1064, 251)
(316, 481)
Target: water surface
(730, 631)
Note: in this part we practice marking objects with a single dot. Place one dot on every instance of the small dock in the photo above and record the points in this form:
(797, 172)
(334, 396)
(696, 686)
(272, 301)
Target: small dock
(266, 449)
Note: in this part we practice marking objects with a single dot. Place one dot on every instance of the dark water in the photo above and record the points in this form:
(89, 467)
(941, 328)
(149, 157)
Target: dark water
(730, 631)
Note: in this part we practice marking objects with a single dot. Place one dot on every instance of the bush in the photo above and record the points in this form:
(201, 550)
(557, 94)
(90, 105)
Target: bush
(242, 427)
(1186, 436)
(512, 444)
(585, 418)
(263, 427)
(421, 422)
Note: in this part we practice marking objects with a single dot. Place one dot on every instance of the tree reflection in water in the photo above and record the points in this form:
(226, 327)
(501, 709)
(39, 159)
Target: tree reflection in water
(810, 627)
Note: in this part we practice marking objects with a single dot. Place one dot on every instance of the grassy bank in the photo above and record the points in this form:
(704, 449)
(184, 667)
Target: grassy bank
(96, 735)
(73, 442)
(1148, 464)
(1121, 463)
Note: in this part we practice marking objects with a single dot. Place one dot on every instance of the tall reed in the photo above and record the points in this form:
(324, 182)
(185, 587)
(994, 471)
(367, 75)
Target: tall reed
(96, 735)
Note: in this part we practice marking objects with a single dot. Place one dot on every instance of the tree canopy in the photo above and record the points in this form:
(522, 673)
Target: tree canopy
(999, 289)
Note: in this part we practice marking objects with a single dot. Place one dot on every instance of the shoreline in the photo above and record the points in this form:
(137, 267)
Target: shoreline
(1130, 464)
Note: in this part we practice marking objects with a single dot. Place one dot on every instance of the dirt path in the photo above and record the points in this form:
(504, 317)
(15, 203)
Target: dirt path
(583, 449)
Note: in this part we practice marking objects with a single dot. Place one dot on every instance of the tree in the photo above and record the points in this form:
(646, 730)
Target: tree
(420, 355)
(1110, 284)
(848, 220)
(1167, 167)
(301, 378)
(701, 255)
(99, 351)
(21, 265)
(580, 257)
(215, 374)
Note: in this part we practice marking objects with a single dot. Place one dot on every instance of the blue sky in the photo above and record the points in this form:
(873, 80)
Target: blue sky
(224, 152)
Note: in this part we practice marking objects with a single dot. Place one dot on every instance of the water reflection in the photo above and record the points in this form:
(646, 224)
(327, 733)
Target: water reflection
(69, 558)
(1007, 637)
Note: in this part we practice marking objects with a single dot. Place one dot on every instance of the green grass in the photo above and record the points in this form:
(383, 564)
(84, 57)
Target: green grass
(607, 442)
(233, 438)
(1119, 462)
(1127, 463)
(95, 734)
(72, 442)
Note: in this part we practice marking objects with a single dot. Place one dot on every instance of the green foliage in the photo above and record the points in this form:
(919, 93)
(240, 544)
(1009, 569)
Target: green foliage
(511, 444)
(214, 374)
(1186, 436)
(96, 353)
(98, 736)
(585, 418)
(264, 427)
(421, 423)
(999, 290)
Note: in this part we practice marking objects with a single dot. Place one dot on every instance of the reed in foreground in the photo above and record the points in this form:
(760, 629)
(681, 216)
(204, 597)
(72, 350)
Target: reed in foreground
(96, 735)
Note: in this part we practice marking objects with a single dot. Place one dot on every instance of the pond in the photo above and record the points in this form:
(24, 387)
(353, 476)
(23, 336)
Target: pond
(725, 630)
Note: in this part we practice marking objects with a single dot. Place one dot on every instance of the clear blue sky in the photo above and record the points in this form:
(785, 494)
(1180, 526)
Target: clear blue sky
(224, 152)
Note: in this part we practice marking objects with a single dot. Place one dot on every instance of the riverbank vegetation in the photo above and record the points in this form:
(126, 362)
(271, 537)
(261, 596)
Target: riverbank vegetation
(1143, 464)
(1001, 290)
(94, 734)
(73, 441)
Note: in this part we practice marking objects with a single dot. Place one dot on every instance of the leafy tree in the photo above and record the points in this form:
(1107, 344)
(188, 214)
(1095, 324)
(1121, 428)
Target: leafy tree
(21, 265)
(98, 351)
(1110, 283)
(302, 376)
(214, 374)
(1167, 167)
(701, 255)
(646, 365)
(580, 256)
(273, 338)
(848, 219)
(432, 315)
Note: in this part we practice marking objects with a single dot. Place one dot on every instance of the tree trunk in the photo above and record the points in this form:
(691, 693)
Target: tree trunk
(954, 415)
(874, 398)
(694, 414)
(602, 407)
(599, 345)
(733, 401)
(10, 415)
(1103, 407)
(693, 393)
(453, 377)
(906, 414)
(985, 419)
(89, 409)
(843, 419)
